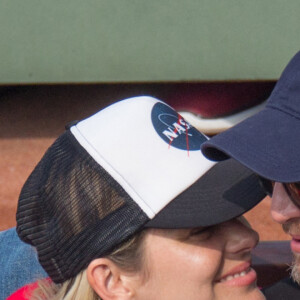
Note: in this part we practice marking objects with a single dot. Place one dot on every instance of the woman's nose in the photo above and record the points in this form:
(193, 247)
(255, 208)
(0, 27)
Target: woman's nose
(240, 238)
(282, 207)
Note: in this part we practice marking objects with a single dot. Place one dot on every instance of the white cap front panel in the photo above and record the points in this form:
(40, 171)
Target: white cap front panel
(147, 148)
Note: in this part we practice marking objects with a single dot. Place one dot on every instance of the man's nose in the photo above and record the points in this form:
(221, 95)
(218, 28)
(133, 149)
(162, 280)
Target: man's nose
(240, 237)
(282, 207)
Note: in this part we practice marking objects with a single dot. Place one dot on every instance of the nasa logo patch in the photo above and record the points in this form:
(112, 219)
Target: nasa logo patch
(174, 130)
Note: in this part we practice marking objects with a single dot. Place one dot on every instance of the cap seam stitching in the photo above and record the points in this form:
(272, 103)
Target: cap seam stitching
(115, 171)
(288, 111)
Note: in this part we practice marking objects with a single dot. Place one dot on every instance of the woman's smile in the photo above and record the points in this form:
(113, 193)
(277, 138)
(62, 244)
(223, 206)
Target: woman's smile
(213, 263)
(241, 275)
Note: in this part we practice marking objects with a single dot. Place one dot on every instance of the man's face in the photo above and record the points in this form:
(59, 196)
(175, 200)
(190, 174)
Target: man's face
(285, 212)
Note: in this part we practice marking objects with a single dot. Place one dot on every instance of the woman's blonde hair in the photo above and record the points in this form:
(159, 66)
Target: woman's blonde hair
(129, 256)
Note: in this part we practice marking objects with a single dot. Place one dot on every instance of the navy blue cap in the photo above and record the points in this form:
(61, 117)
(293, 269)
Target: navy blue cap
(268, 142)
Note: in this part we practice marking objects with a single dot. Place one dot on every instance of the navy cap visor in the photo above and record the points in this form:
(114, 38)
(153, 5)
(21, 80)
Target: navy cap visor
(268, 143)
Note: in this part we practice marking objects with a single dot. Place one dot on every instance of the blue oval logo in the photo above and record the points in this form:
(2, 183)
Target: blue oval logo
(174, 130)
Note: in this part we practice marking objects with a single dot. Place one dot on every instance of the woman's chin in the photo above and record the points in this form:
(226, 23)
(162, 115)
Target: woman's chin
(251, 293)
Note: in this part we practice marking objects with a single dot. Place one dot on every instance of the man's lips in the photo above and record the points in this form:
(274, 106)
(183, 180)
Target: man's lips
(295, 242)
(295, 236)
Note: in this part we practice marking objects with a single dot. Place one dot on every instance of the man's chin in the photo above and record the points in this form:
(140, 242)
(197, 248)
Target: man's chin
(295, 268)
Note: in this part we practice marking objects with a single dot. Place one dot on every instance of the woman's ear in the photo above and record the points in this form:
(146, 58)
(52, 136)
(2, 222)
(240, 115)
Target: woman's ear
(109, 281)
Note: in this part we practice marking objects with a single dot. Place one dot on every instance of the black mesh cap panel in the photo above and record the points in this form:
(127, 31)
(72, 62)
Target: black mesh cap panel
(73, 211)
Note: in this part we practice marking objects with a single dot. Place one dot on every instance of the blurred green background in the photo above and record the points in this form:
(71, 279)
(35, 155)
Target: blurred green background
(98, 41)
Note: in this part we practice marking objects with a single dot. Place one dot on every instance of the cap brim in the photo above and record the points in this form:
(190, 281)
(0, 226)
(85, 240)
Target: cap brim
(268, 143)
(226, 191)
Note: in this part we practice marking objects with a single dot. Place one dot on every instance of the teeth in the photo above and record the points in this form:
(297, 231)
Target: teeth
(230, 277)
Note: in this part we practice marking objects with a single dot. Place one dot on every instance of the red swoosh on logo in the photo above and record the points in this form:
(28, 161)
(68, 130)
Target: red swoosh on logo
(186, 135)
